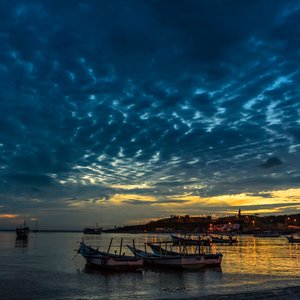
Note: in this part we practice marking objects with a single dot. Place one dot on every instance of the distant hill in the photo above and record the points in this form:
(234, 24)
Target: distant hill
(184, 224)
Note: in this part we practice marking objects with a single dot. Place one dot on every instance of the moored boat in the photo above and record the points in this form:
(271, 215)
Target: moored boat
(109, 261)
(178, 260)
(190, 241)
(293, 239)
(92, 230)
(22, 232)
(223, 240)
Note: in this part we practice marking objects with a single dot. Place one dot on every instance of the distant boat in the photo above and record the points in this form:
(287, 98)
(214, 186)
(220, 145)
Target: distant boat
(22, 232)
(293, 239)
(109, 261)
(267, 234)
(204, 241)
(92, 230)
(177, 260)
(223, 240)
(189, 241)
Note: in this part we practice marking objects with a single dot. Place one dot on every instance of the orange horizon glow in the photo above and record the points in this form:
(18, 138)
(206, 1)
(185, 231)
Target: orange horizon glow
(8, 216)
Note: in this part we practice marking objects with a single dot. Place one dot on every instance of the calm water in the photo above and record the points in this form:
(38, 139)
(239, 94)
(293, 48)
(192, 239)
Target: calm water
(47, 267)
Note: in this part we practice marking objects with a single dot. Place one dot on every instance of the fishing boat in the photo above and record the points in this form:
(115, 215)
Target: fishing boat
(267, 234)
(109, 261)
(223, 240)
(183, 251)
(22, 232)
(189, 241)
(177, 260)
(92, 230)
(293, 239)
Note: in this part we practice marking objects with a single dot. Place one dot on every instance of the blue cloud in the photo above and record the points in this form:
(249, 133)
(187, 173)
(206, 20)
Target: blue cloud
(98, 93)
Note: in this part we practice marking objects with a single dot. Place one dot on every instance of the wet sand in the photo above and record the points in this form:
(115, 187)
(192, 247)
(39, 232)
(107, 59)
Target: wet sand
(289, 293)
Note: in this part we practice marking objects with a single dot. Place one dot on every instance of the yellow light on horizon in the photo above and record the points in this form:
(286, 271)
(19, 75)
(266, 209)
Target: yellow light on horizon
(120, 198)
(131, 186)
(290, 196)
(187, 203)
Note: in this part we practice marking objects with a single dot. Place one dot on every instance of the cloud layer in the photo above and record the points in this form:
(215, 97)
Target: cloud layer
(158, 100)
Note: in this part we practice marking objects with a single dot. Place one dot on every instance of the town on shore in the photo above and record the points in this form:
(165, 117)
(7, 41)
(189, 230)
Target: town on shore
(239, 223)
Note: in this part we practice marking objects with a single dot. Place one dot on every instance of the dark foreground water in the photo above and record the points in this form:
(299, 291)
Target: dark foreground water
(47, 267)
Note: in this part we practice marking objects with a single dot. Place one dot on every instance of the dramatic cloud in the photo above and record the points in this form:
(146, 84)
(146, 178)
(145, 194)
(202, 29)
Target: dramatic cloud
(271, 162)
(121, 110)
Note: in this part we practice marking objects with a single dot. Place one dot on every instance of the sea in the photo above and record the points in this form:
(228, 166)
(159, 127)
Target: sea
(47, 266)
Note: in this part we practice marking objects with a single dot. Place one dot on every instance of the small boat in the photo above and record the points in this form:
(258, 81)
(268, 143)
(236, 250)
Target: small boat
(92, 230)
(183, 249)
(22, 232)
(293, 239)
(267, 234)
(190, 241)
(177, 260)
(109, 261)
(222, 240)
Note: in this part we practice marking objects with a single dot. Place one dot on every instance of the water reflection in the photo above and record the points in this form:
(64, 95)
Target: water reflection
(294, 251)
(49, 263)
(91, 237)
(251, 255)
(172, 283)
(261, 256)
(21, 243)
(108, 272)
(169, 270)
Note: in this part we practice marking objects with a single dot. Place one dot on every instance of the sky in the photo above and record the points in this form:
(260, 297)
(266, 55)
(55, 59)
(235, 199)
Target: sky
(123, 111)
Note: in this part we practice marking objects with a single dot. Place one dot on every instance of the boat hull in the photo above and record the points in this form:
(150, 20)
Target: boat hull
(114, 263)
(178, 261)
(186, 263)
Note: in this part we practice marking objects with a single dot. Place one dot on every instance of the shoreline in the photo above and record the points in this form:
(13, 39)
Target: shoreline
(285, 293)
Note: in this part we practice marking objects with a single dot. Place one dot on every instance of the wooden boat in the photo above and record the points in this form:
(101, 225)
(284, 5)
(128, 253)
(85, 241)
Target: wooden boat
(92, 230)
(190, 241)
(177, 260)
(183, 249)
(22, 232)
(293, 239)
(267, 234)
(222, 240)
(109, 261)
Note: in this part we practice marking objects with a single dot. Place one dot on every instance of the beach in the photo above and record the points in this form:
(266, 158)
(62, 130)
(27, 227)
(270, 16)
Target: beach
(289, 293)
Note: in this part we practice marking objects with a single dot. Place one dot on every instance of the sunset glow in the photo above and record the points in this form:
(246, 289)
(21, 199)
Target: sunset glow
(114, 111)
